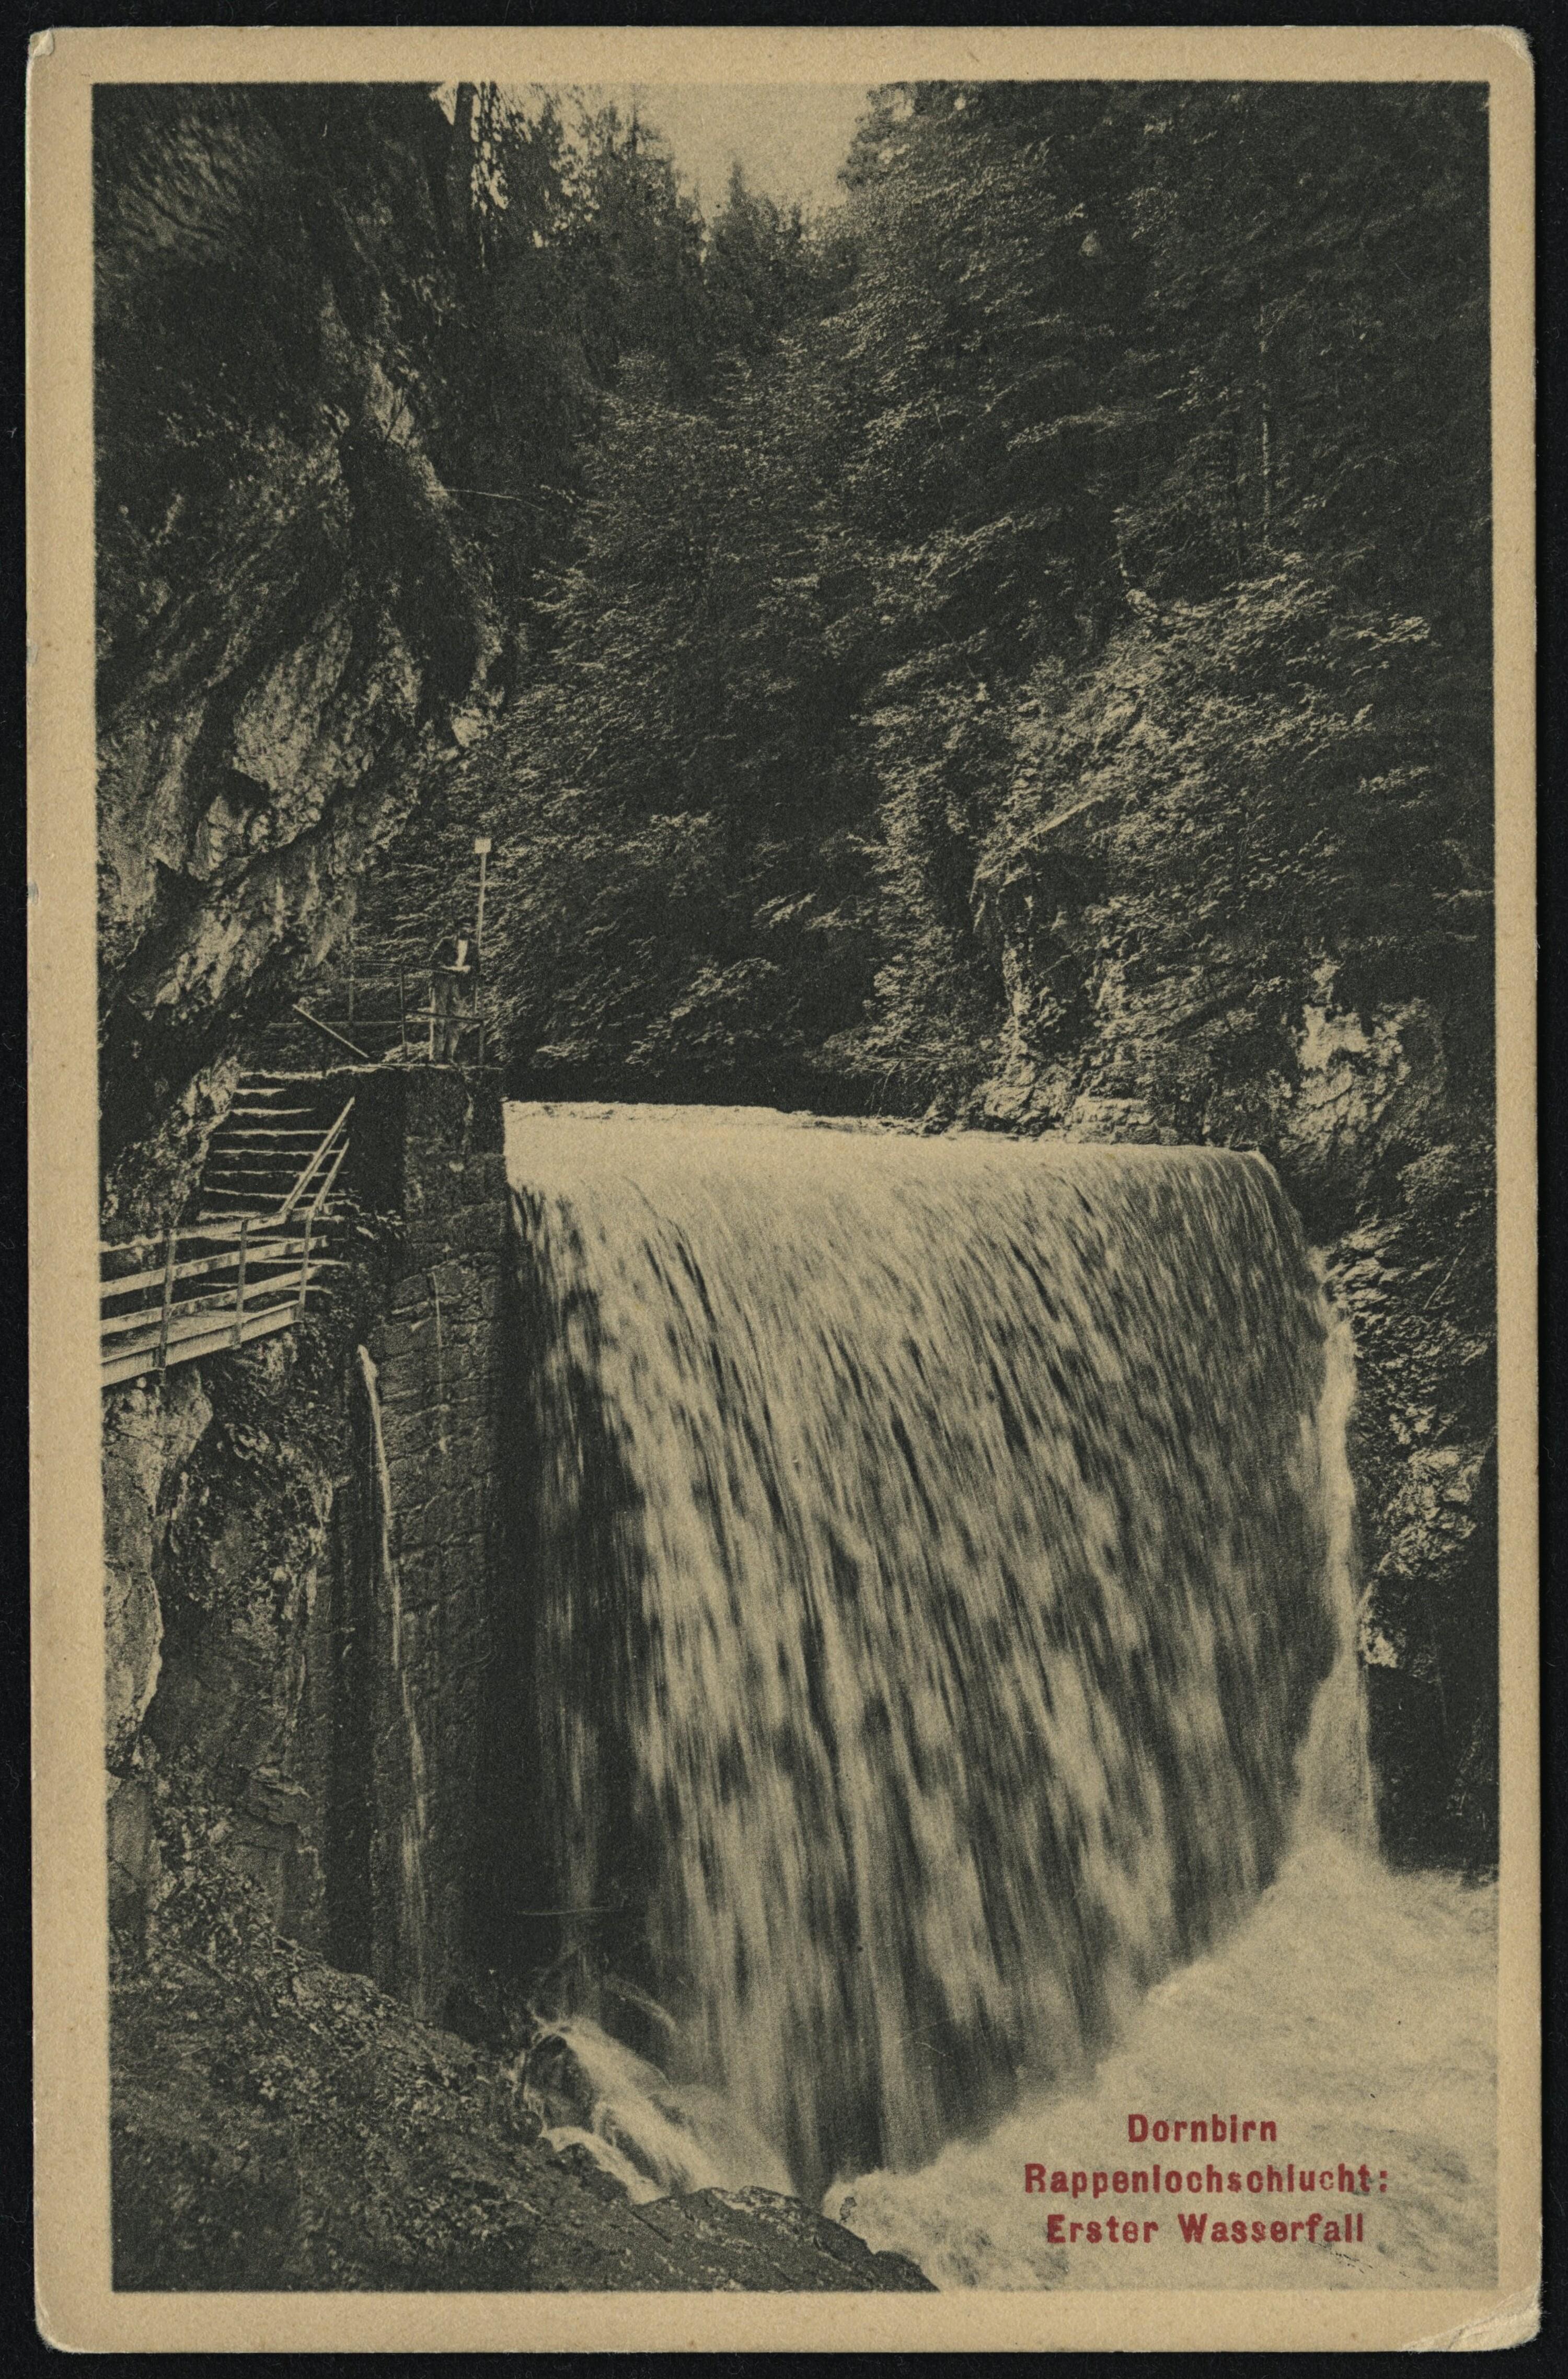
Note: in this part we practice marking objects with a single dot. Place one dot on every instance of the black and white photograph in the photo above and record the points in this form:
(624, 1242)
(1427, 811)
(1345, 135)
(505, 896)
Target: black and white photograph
(796, 828)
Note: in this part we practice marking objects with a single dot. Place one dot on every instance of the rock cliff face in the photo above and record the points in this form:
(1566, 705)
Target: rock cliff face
(219, 1490)
(295, 621)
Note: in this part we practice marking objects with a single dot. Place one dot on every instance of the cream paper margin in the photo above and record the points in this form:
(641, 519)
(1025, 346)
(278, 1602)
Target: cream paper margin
(76, 2308)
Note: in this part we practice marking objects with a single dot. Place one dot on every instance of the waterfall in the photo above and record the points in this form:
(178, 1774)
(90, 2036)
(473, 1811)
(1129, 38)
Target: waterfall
(411, 1889)
(1336, 1767)
(934, 1589)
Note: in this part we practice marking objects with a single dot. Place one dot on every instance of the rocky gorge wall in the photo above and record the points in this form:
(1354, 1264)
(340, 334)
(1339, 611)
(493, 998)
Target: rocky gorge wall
(295, 621)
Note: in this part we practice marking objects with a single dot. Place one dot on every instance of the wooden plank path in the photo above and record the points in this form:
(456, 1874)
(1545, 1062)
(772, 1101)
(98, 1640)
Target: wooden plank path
(224, 1280)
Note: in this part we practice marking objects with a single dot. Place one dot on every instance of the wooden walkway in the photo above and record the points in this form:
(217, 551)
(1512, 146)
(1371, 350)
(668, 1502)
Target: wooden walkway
(221, 1281)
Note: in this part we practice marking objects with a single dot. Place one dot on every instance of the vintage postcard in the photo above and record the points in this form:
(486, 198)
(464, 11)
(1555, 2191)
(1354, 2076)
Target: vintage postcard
(783, 1051)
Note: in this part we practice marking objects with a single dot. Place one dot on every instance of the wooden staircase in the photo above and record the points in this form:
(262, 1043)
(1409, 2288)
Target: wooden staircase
(259, 1149)
(245, 1266)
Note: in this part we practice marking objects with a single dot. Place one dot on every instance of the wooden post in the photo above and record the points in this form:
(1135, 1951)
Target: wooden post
(305, 1264)
(168, 1299)
(402, 1011)
(239, 1290)
(431, 1051)
(351, 970)
(482, 852)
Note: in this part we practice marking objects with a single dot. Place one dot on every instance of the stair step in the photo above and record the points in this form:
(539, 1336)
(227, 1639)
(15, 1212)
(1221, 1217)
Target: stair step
(274, 1187)
(247, 1153)
(275, 1124)
(272, 1160)
(265, 1150)
(248, 1193)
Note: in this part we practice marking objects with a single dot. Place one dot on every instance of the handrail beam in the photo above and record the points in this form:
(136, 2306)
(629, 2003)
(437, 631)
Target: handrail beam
(262, 1252)
(316, 1157)
(196, 1265)
(332, 1034)
(205, 1310)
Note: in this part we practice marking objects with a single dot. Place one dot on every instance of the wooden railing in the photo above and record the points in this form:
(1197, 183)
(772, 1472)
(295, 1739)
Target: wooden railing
(221, 1283)
(331, 1032)
(383, 1019)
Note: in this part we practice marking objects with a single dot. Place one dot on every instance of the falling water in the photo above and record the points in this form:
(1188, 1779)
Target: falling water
(1335, 1768)
(653, 2137)
(1357, 2007)
(1353, 2006)
(411, 1892)
(935, 1549)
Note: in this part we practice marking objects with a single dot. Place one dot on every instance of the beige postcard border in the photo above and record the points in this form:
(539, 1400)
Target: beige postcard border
(77, 2307)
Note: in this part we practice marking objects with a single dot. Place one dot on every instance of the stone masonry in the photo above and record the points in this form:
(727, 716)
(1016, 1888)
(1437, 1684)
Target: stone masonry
(440, 1381)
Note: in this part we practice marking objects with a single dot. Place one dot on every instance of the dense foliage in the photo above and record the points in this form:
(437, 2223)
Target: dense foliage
(1057, 580)
(1117, 444)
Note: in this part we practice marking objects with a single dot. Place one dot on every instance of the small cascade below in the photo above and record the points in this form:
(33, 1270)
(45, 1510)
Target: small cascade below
(1337, 1794)
(935, 1604)
(652, 2135)
(411, 1891)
